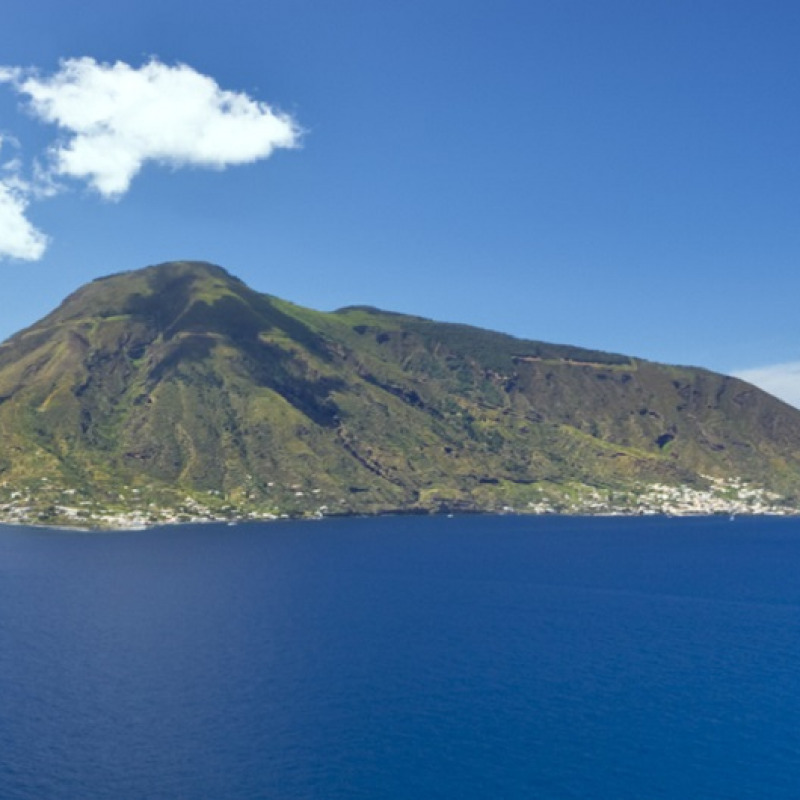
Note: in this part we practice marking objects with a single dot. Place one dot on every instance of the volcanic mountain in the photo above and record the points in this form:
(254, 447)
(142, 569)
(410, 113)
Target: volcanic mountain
(177, 387)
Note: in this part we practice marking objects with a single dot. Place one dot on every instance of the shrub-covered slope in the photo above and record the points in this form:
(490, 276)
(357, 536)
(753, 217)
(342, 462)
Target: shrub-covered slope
(178, 385)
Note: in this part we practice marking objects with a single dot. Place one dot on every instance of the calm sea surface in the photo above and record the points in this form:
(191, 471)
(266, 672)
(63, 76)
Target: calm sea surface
(403, 658)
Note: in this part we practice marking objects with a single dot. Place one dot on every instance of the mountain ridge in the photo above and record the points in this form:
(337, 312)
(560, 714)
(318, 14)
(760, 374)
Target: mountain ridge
(177, 390)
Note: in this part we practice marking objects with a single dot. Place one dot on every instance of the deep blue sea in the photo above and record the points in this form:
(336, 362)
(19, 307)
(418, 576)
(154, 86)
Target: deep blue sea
(405, 657)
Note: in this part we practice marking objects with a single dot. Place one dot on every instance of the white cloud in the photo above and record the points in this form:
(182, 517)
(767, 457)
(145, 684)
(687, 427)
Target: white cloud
(118, 117)
(781, 380)
(9, 74)
(18, 237)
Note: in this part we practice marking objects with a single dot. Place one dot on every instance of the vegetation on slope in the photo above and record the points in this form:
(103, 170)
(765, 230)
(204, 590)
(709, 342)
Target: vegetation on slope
(178, 385)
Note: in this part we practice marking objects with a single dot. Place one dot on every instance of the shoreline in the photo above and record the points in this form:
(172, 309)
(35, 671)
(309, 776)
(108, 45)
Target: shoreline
(237, 521)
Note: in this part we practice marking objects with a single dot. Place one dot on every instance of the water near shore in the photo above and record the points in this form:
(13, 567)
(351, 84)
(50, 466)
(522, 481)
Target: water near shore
(403, 658)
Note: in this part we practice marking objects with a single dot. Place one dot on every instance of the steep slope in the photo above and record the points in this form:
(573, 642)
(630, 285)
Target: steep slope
(177, 387)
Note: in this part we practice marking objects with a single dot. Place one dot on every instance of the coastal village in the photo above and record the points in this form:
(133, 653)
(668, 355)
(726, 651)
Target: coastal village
(721, 497)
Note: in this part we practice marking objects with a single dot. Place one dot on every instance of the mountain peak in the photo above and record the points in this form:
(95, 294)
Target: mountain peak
(176, 270)
(161, 292)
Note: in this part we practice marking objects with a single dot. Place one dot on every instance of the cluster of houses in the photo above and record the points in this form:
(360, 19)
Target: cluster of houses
(730, 497)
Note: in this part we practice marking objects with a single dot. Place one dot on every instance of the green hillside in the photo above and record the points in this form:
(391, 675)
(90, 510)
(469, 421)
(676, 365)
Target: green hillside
(177, 391)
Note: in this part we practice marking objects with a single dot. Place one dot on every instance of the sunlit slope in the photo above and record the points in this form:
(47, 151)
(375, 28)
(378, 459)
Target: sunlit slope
(179, 381)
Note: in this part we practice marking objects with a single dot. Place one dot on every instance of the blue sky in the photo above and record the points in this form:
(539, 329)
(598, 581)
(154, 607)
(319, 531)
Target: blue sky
(617, 175)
